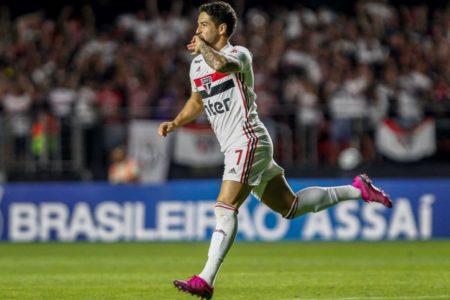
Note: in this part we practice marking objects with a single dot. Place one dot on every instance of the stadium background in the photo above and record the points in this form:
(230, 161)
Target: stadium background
(79, 78)
(381, 55)
(343, 88)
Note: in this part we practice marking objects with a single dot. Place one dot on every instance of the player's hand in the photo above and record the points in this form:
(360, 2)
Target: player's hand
(195, 44)
(166, 128)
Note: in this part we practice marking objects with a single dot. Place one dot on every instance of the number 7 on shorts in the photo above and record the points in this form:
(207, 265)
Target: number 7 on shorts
(239, 151)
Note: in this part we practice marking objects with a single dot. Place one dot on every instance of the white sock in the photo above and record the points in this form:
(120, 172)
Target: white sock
(221, 240)
(314, 199)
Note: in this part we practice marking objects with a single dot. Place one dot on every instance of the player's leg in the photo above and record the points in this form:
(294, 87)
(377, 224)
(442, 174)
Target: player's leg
(232, 195)
(279, 196)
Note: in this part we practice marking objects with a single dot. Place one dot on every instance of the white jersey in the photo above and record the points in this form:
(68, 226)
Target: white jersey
(229, 101)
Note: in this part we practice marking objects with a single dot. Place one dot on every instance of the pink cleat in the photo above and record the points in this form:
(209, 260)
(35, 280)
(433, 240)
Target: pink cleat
(369, 192)
(195, 286)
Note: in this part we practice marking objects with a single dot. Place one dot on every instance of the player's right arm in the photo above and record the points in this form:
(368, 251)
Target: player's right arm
(190, 111)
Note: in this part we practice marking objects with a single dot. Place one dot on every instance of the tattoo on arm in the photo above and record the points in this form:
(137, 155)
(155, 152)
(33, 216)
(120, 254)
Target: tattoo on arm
(218, 61)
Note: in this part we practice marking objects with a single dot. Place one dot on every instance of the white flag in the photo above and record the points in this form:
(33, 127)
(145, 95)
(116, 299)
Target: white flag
(197, 146)
(149, 150)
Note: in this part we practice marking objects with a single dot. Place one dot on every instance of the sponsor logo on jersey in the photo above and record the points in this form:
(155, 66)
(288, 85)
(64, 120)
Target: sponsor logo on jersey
(197, 61)
(218, 107)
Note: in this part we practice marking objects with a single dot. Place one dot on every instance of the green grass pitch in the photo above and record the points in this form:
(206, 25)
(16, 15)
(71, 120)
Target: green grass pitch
(285, 271)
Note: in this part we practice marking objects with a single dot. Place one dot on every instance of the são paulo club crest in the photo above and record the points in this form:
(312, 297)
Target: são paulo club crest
(206, 83)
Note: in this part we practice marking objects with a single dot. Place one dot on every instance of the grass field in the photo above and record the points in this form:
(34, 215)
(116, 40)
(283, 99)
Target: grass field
(288, 271)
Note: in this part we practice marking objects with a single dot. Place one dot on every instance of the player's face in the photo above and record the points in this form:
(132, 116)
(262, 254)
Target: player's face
(207, 29)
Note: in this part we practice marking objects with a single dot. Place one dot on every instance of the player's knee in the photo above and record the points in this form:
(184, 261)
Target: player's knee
(282, 208)
(283, 211)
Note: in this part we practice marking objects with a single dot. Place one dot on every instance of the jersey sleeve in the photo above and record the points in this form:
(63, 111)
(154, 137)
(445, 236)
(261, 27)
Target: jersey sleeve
(194, 88)
(243, 55)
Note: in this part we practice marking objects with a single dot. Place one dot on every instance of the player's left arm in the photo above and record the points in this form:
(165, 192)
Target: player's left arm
(221, 62)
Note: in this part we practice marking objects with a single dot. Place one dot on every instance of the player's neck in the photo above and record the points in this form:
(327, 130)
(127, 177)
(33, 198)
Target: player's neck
(220, 44)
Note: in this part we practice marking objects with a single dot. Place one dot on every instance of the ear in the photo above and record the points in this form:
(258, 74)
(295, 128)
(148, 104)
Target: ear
(223, 28)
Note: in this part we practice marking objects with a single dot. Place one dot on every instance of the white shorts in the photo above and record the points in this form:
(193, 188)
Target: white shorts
(255, 168)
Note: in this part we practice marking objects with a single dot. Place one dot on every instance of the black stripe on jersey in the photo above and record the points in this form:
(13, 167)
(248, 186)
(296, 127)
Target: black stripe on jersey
(248, 156)
(245, 87)
(220, 88)
(254, 140)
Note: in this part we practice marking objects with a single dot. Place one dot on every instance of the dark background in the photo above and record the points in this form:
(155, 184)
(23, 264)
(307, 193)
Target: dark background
(107, 10)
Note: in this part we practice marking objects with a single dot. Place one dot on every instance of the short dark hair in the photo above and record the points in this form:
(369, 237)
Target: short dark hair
(221, 12)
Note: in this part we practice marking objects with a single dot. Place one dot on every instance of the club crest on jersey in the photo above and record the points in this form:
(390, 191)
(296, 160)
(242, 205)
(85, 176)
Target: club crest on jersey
(206, 83)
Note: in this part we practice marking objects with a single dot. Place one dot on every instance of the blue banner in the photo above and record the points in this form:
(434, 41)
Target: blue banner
(184, 211)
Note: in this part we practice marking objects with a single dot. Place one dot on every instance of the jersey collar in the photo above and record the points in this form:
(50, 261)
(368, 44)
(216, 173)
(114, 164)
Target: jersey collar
(227, 45)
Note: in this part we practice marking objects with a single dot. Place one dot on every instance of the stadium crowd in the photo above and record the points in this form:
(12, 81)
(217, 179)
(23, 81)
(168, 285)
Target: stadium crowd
(318, 71)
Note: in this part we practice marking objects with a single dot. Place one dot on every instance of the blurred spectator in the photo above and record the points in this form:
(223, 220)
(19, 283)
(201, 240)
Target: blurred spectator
(86, 112)
(111, 104)
(314, 70)
(17, 105)
(304, 97)
(61, 99)
(348, 106)
(122, 169)
(44, 137)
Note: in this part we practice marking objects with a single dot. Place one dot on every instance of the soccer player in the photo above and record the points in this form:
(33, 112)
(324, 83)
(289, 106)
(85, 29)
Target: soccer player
(222, 86)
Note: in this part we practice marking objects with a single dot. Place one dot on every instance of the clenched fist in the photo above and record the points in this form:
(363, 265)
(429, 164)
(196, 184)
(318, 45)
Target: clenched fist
(166, 127)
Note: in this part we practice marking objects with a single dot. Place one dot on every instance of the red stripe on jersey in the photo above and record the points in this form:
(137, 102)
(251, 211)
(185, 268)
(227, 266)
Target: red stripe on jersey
(246, 156)
(251, 149)
(244, 100)
(248, 159)
(251, 136)
(254, 145)
(214, 77)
